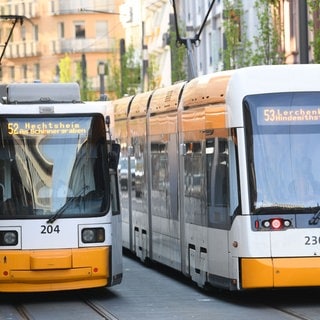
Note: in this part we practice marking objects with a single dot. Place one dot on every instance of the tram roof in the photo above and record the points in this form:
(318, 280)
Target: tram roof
(23, 93)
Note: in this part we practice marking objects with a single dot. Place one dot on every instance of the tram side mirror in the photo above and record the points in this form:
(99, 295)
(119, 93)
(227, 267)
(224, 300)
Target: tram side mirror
(113, 155)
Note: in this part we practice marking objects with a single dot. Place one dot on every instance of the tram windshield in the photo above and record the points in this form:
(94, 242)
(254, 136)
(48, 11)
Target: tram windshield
(53, 167)
(283, 138)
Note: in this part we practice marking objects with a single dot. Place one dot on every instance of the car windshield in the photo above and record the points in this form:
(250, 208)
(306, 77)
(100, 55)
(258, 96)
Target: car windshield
(51, 165)
(283, 137)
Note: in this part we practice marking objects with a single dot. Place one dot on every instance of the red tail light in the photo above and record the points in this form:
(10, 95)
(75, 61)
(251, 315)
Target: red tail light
(275, 224)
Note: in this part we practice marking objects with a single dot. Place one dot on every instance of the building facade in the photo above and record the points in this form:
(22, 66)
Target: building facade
(50, 31)
(146, 24)
(89, 33)
(292, 16)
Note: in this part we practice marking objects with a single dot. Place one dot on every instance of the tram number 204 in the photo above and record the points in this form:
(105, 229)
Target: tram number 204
(49, 229)
(312, 240)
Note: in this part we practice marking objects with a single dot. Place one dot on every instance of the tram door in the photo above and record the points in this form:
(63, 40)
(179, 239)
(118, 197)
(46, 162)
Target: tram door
(194, 206)
(121, 133)
(138, 186)
(204, 190)
(164, 190)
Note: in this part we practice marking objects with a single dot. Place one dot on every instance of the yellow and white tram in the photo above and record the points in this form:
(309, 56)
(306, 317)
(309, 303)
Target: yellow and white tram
(224, 179)
(60, 226)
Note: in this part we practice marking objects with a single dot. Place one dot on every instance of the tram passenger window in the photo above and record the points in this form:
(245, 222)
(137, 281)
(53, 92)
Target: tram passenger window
(159, 175)
(1, 192)
(114, 192)
(218, 182)
(194, 195)
(159, 160)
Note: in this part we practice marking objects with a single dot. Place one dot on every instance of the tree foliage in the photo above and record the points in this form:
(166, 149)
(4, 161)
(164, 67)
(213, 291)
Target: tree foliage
(237, 49)
(268, 41)
(314, 23)
(178, 54)
(130, 72)
(265, 47)
(65, 69)
(126, 78)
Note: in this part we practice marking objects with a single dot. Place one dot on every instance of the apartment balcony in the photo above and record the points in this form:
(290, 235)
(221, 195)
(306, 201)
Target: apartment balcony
(83, 45)
(62, 7)
(28, 8)
(22, 49)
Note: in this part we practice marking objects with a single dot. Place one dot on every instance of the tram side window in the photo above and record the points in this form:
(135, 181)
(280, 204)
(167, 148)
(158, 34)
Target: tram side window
(218, 181)
(194, 192)
(194, 169)
(114, 192)
(159, 160)
(160, 179)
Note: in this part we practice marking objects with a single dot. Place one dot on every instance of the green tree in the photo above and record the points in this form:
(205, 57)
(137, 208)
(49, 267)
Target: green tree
(237, 51)
(152, 71)
(114, 84)
(268, 41)
(126, 78)
(178, 54)
(65, 69)
(131, 72)
(314, 9)
(86, 90)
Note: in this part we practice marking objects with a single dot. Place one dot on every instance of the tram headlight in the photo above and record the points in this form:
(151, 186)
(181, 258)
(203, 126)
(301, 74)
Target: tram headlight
(8, 238)
(92, 235)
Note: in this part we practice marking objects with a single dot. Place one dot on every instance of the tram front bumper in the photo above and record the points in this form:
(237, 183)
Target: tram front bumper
(52, 270)
(280, 272)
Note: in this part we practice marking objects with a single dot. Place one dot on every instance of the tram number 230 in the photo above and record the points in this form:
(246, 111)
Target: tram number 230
(312, 240)
(49, 229)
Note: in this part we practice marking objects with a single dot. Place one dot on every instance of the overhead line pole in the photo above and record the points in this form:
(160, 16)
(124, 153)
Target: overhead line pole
(15, 19)
(189, 43)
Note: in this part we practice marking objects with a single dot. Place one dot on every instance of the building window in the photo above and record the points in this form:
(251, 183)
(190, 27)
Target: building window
(101, 29)
(30, 10)
(36, 33)
(61, 30)
(24, 72)
(12, 73)
(80, 31)
(23, 33)
(52, 7)
(36, 71)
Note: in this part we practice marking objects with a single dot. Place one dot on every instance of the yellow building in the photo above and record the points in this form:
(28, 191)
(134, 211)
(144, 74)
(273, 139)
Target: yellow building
(48, 31)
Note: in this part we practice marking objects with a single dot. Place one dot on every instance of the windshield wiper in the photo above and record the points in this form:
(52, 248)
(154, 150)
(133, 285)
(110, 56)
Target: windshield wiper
(315, 219)
(66, 205)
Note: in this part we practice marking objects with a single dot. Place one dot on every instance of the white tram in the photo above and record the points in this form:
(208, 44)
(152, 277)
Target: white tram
(224, 179)
(60, 223)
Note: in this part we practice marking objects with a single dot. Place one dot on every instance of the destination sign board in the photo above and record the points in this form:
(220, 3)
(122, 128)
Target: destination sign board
(46, 127)
(285, 115)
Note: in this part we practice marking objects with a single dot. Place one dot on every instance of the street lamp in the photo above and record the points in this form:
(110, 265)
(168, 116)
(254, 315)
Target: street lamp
(101, 73)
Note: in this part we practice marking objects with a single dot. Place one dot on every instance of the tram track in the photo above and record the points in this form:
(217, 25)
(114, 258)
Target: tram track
(292, 313)
(24, 311)
(105, 314)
